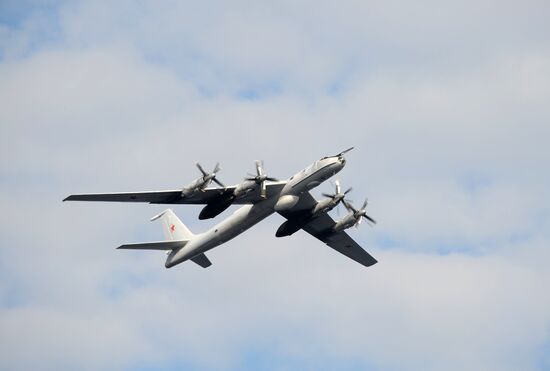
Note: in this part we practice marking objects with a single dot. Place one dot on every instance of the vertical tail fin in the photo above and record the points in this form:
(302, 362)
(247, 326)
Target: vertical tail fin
(173, 228)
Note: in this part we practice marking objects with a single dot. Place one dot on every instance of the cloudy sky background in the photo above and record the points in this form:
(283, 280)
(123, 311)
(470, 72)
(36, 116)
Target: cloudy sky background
(447, 104)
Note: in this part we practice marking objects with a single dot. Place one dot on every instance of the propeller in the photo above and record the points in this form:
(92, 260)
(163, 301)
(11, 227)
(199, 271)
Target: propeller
(359, 214)
(210, 177)
(260, 178)
(338, 196)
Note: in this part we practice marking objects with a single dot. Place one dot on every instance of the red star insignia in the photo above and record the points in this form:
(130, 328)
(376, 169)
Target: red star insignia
(172, 227)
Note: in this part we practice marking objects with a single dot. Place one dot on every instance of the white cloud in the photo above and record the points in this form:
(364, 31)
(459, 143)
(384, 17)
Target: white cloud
(451, 150)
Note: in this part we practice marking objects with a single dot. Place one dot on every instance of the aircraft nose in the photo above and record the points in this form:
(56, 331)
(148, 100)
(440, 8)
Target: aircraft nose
(337, 165)
(341, 161)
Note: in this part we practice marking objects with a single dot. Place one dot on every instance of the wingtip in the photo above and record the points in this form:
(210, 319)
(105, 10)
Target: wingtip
(159, 215)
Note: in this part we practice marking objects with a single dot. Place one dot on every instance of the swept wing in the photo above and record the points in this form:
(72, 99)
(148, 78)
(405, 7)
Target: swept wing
(321, 228)
(206, 196)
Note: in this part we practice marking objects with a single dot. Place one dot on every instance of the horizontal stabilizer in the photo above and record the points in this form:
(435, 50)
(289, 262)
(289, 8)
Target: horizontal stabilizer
(160, 245)
(202, 260)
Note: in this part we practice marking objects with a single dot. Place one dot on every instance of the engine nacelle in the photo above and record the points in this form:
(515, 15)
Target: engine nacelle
(286, 202)
(216, 206)
(212, 210)
(289, 227)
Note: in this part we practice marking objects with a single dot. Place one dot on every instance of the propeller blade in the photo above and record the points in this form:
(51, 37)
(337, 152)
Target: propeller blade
(259, 170)
(337, 182)
(365, 204)
(251, 179)
(369, 219)
(204, 173)
(328, 195)
(263, 190)
(348, 190)
(348, 206)
(218, 182)
(271, 179)
(216, 168)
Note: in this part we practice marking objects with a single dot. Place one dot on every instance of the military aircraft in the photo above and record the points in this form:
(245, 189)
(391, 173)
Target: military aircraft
(261, 196)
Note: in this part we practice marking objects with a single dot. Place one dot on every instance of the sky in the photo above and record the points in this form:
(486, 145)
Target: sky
(446, 103)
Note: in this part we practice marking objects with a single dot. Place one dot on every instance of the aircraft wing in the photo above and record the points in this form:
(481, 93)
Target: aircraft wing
(208, 195)
(321, 228)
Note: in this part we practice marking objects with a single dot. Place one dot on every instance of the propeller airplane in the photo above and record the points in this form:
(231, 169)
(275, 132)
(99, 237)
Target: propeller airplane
(261, 196)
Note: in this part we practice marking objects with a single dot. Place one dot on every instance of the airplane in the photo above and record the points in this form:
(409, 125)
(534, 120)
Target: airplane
(260, 196)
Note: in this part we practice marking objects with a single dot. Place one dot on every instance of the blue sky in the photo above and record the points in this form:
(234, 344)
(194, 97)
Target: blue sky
(445, 103)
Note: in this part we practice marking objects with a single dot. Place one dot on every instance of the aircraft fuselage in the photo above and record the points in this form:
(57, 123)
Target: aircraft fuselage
(249, 215)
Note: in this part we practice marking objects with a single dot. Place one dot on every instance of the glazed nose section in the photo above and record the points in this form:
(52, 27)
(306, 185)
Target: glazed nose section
(336, 165)
(339, 163)
(342, 160)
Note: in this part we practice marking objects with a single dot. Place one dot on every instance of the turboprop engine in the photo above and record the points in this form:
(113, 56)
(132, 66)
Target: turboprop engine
(219, 204)
(201, 183)
(354, 218)
(254, 181)
(293, 225)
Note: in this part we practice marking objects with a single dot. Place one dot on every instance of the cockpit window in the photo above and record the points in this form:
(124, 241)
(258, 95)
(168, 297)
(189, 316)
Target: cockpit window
(313, 167)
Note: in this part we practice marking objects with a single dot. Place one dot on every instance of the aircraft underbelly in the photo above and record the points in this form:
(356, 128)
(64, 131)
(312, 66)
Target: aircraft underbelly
(244, 218)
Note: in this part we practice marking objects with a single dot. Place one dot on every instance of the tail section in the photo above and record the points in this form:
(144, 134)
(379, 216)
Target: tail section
(177, 237)
(173, 227)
